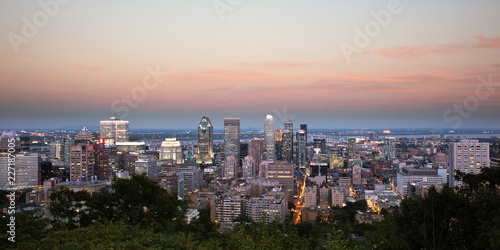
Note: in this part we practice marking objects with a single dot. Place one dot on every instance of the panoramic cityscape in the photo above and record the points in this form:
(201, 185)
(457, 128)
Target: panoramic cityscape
(249, 125)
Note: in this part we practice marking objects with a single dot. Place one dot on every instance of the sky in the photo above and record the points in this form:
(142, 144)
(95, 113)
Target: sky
(330, 64)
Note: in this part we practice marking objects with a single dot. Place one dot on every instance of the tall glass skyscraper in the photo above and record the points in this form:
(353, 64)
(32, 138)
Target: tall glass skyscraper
(269, 138)
(114, 130)
(351, 148)
(232, 138)
(288, 141)
(205, 141)
(301, 148)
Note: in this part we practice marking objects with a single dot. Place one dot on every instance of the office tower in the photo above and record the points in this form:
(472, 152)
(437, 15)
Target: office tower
(105, 152)
(390, 148)
(84, 137)
(21, 143)
(193, 179)
(56, 150)
(282, 172)
(345, 184)
(68, 141)
(148, 167)
(205, 141)
(230, 167)
(243, 151)
(82, 162)
(269, 138)
(301, 148)
(171, 149)
(356, 172)
(321, 144)
(256, 149)
(131, 147)
(304, 127)
(114, 130)
(46, 171)
(27, 173)
(249, 167)
(279, 144)
(287, 142)
(468, 156)
(410, 177)
(351, 148)
(267, 208)
(232, 138)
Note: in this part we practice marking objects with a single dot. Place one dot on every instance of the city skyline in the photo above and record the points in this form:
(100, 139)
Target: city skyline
(308, 62)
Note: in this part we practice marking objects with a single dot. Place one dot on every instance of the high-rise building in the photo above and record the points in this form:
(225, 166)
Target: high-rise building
(311, 196)
(56, 150)
(114, 130)
(304, 127)
(267, 208)
(410, 177)
(82, 162)
(68, 141)
(390, 148)
(232, 138)
(230, 167)
(356, 172)
(279, 144)
(338, 198)
(148, 167)
(27, 173)
(256, 149)
(84, 137)
(301, 148)
(193, 179)
(104, 170)
(269, 138)
(468, 156)
(205, 141)
(249, 167)
(287, 142)
(171, 149)
(169, 181)
(282, 172)
(226, 209)
(351, 148)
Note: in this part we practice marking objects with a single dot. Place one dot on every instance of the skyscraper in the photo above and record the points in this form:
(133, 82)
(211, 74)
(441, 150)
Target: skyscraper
(230, 165)
(287, 141)
(351, 148)
(82, 162)
(390, 148)
(255, 150)
(279, 144)
(468, 156)
(232, 138)
(282, 172)
(104, 170)
(205, 141)
(249, 168)
(114, 130)
(68, 141)
(301, 148)
(269, 137)
(171, 149)
(304, 127)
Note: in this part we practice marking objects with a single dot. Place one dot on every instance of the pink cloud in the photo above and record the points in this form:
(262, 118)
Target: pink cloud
(88, 68)
(412, 52)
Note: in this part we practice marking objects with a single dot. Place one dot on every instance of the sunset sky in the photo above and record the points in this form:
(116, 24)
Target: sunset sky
(267, 57)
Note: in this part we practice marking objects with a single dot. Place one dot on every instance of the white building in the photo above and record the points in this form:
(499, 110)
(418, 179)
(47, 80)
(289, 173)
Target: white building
(411, 176)
(171, 149)
(468, 156)
(27, 171)
(311, 196)
(267, 207)
(337, 195)
(249, 167)
(114, 130)
(229, 170)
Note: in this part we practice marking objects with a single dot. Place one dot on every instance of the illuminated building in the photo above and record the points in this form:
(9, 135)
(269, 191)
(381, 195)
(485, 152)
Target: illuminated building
(82, 162)
(171, 149)
(287, 141)
(301, 148)
(249, 167)
(279, 144)
(282, 172)
(205, 141)
(114, 130)
(468, 156)
(104, 169)
(269, 138)
(267, 208)
(230, 167)
(232, 138)
(27, 171)
(256, 149)
(390, 148)
(351, 148)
